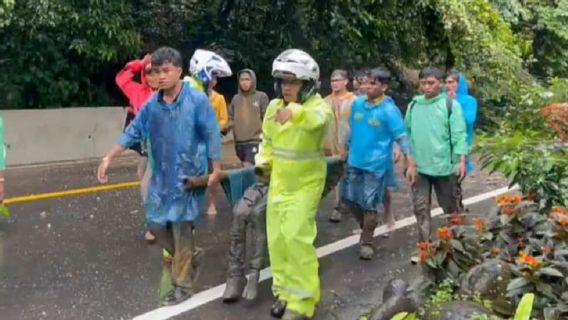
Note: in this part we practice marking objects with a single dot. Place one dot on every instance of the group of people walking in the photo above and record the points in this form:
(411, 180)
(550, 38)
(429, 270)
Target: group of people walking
(180, 122)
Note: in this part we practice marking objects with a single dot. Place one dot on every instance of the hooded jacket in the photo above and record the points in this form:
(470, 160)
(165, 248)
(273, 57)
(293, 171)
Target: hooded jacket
(246, 112)
(469, 108)
(437, 139)
(138, 93)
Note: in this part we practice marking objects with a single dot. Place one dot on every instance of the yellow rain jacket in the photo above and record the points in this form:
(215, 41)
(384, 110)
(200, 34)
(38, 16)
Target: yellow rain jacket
(294, 152)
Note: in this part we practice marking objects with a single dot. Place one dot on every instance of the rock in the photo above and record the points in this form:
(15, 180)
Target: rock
(490, 280)
(456, 310)
(395, 287)
(396, 298)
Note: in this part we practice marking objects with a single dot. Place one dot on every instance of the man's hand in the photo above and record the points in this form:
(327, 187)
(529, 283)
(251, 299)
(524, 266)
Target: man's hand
(214, 178)
(410, 171)
(215, 175)
(101, 172)
(396, 154)
(283, 115)
(147, 59)
(411, 174)
(461, 172)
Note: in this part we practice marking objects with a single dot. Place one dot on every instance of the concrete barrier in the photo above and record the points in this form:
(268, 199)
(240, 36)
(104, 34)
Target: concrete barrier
(55, 135)
(51, 135)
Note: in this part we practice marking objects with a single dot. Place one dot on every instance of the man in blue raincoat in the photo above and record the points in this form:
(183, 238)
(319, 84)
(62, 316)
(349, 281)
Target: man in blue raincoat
(376, 124)
(457, 88)
(176, 120)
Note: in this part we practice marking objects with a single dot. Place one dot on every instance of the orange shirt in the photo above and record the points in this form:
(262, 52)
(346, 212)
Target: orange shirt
(339, 128)
(220, 105)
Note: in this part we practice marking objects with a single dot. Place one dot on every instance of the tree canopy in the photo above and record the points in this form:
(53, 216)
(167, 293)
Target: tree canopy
(65, 52)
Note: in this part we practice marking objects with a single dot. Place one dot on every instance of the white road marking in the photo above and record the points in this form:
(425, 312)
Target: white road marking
(215, 293)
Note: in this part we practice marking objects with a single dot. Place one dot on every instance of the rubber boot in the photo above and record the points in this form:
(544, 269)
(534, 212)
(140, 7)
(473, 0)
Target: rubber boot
(292, 315)
(278, 308)
(251, 290)
(234, 289)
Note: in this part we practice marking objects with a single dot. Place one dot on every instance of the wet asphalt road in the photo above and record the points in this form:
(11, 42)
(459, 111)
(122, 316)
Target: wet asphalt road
(84, 258)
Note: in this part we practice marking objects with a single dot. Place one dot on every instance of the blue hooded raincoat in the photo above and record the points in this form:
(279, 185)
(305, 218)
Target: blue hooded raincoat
(177, 133)
(469, 108)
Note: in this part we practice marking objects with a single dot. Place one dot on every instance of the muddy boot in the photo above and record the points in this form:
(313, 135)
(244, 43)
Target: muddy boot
(292, 315)
(335, 216)
(278, 308)
(366, 252)
(176, 295)
(370, 222)
(234, 289)
(251, 290)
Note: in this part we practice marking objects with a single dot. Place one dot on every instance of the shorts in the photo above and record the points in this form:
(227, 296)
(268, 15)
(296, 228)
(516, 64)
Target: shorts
(246, 152)
(139, 147)
(364, 188)
(391, 179)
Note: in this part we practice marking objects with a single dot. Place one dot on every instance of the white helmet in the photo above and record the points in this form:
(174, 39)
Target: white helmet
(295, 64)
(205, 64)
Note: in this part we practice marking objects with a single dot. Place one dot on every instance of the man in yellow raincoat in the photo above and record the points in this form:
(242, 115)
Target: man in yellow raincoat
(294, 131)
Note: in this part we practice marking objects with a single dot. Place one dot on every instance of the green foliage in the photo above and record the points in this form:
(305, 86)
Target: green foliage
(56, 52)
(524, 310)
(514, 156)
(404, 316)
(456, 249)
(70, 50)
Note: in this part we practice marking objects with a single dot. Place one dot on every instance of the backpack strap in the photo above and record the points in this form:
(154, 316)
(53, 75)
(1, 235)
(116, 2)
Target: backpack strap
(449, 104)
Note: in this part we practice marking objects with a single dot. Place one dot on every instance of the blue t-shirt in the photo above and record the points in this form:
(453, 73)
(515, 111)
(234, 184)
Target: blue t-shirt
(374, 128)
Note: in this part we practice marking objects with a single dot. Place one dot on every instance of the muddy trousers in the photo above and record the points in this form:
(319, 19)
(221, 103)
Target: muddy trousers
(422, 200)
(458, 191)
(178, 240)
(368, 220)
(249, 212)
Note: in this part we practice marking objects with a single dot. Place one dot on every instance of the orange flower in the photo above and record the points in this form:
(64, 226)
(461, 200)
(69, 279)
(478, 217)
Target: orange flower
(531, 196)
(424, 246)
(516, 199)
(546, 250)
(444, 233)
(529, 260)
(559, 209)
(495, 251)
(508, 210)
(503, 199)
(509, 199)
(423, 256)
(563, 221)
(456, 219)
(479, 224)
